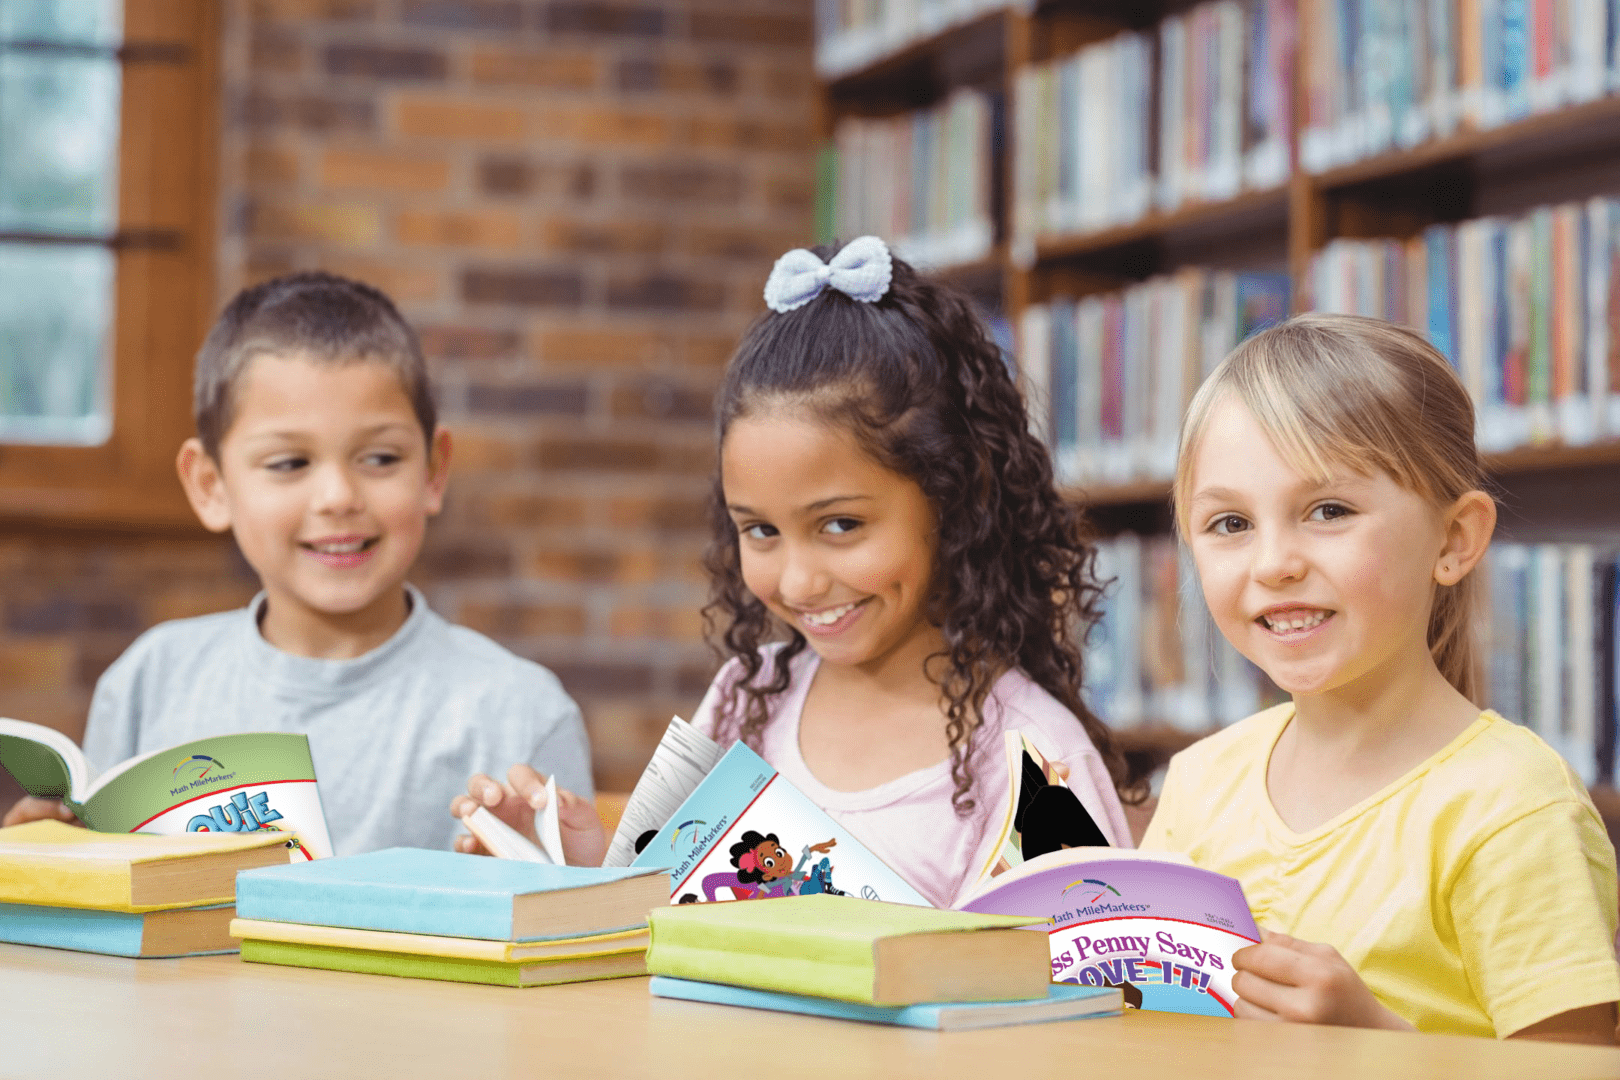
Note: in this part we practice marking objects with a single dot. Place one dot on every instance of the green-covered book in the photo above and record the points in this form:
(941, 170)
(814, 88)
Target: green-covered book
(455, 969)
(852, 950)
(224, 783)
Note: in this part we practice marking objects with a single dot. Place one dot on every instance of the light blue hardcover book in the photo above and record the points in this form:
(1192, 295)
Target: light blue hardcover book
(415, 891)
(1064, 1001)
(198, 931)
(746, 833)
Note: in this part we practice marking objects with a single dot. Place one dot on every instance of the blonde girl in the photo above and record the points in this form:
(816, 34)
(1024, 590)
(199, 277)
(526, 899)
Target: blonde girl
(1417, 862)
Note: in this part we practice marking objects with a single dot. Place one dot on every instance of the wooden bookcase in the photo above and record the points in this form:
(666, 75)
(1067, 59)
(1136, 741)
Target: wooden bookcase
(1546, 492)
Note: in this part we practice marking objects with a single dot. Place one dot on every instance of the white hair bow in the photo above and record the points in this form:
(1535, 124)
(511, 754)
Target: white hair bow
(861, 271)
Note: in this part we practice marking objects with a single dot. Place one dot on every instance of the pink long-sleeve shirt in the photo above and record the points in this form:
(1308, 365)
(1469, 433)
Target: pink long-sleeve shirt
(909, 821)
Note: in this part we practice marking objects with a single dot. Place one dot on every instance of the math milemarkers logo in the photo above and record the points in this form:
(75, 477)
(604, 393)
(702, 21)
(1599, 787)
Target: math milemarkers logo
(198, 766)
(1100, 887)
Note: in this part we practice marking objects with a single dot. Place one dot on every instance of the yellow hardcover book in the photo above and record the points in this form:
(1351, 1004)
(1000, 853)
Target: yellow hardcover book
(54, 864)
(385, 941)
(852, 950)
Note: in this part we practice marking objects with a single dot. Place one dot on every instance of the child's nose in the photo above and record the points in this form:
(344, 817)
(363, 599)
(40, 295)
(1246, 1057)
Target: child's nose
(1278, 558)
(803, 581)
(336, 492)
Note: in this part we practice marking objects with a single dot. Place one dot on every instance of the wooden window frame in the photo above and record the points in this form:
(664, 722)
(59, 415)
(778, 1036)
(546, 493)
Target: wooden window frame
(164, 299)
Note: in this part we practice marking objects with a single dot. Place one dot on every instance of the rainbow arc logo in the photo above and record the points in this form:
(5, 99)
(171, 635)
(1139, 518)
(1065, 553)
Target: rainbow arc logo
(198, 766)
(693, 824)
(1100, 888)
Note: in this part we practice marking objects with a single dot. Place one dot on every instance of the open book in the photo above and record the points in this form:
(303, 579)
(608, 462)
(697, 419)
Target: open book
(224, 783)
(1150, 923)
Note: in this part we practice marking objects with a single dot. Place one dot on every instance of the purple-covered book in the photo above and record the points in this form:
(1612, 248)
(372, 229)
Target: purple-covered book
(1157, 927)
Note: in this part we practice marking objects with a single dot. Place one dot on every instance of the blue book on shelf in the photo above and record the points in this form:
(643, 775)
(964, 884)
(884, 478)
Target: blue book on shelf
(1064, 1001)
(414, 891)
(1440, 242)
(174, 932)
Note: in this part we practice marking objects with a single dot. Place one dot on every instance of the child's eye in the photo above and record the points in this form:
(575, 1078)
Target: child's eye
(1330, 512)
(381, 459)
(286, 464)
(1228, 524)
(841, 526)
(768, 862)
(759, 532)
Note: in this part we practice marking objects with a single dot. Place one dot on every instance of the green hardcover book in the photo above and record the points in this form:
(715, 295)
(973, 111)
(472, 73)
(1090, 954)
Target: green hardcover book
(454, 969)
(224, 783)
(852, 950)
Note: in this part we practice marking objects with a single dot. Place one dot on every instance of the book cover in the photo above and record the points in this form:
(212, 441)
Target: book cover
(1064, 1001)
(1162, 931)
(415, 891)
(54, 864)
(452, 969)
(854, 950)
(384, 941)
(746, 833)
(194, 931)
(224, 783)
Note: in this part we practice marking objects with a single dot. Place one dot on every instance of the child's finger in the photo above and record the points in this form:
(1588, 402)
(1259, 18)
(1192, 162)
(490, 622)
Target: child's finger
(1244, 1009)
(1061, 769)
(1274, 963)
(484, 791)
(528, 785)
(461, 806)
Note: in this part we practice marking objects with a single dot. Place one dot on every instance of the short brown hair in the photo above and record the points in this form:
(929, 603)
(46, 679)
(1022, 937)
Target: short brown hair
(1366, 395)
(322, 317)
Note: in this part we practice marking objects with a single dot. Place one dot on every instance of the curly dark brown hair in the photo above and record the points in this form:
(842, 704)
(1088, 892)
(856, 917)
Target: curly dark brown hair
(919, 382)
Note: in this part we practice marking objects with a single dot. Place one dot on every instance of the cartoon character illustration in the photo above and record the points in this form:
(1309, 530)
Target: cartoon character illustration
(763, 863)
(1050, 817)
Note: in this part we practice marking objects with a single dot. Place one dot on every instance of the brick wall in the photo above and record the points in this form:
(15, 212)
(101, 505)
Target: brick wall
(577, 203)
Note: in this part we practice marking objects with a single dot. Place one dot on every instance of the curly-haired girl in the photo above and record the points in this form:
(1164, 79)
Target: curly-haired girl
(895, 577)
(896, 580)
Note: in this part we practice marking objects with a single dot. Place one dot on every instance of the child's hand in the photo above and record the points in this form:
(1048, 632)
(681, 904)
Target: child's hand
(29, 809)
(1283, 978)
(515, 802)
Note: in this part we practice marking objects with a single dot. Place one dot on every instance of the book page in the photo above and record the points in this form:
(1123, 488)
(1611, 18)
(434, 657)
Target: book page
(49, 740)
(683, 758)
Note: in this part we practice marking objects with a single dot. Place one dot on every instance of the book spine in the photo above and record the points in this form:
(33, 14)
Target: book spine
(403, 909)
(114, 933)
(842, 970)
(327, 958)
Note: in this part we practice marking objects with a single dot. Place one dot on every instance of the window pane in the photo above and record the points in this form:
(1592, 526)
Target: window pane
(56, 311)
(71, 22)
(58, 142)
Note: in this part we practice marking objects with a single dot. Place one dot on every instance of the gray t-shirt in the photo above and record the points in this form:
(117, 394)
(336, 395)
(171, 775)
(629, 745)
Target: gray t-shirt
(395, 733)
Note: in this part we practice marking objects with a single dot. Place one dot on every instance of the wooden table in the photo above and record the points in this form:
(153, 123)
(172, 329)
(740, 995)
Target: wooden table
(67, 1015)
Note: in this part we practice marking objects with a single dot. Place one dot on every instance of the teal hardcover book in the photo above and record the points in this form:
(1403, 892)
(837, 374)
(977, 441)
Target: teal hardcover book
(415, 891)
(174, 932)
(1062, 1002)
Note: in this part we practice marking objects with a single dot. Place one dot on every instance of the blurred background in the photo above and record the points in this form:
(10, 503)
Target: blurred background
(577, 202)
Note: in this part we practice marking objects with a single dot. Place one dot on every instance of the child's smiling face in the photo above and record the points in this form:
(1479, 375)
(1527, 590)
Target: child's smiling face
(1320, 585)
(773, 861)
(326, 482)
(834, 544)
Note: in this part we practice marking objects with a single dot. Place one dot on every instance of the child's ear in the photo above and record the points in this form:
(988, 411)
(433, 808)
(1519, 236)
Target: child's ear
(1469, 525)
(438, 469)
(205, 486)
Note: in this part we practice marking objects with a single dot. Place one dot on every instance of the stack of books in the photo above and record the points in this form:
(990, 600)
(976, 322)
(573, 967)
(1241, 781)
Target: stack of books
(1524, 307)
(126, 894)
(852, 959)
(444, 915)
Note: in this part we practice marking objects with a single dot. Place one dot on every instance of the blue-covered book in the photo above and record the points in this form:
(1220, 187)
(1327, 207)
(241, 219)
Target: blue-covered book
(415, 891)
(1063, 1001)
(746, 833)
(190, 931)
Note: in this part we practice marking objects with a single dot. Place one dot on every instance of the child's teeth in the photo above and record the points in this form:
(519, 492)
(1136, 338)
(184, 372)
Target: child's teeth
(827, 618)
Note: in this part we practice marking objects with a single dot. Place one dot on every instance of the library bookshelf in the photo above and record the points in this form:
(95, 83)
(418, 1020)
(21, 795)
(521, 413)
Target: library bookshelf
(1560, 154)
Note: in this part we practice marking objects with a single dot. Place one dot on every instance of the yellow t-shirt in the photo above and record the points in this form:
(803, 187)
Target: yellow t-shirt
(1474, 895)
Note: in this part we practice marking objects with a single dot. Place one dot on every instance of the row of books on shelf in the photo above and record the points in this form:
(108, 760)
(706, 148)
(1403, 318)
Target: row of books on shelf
(923, 179)
(1552, 647)
(1156, 656)
(1381, 74)
(1525, 308)
(1109, 376)
(851, 34)
(1199, 109)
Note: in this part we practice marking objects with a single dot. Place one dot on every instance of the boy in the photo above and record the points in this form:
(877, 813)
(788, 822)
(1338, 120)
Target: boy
(317, 446)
